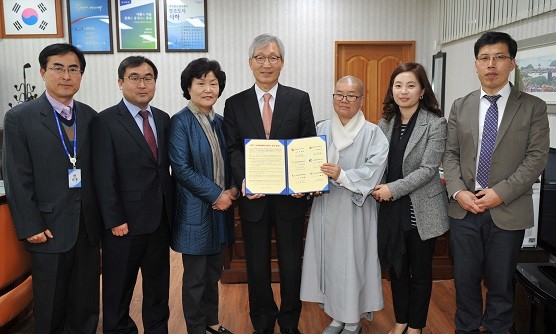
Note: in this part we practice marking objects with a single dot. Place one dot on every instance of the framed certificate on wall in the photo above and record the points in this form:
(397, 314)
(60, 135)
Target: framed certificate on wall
(31, 18)
(186, 25)
(90, 25)
(137, 25)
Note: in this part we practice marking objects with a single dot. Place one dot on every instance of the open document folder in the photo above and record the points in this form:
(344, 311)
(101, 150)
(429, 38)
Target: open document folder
(285, 166)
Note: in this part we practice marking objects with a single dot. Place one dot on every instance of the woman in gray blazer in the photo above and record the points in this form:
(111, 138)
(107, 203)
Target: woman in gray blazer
(413, 209)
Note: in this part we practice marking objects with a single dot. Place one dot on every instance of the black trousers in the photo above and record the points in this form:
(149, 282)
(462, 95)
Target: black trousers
(411, 291)
(122, 258)
(66, 288)
(479, 246)
(201, 274)
(289, 245)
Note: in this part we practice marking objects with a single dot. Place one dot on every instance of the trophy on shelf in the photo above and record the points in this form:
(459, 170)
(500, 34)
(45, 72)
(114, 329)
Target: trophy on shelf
(25, 90)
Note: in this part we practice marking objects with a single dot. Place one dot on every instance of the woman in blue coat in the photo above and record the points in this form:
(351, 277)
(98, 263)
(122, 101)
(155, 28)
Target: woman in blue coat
(203, 217)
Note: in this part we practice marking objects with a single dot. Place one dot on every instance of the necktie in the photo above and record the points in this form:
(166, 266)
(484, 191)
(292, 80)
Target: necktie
(66, 112)
(267, 114)
(148, 133)
(490, 130)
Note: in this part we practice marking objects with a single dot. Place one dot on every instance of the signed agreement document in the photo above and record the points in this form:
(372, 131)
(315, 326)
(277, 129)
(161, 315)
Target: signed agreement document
(283, 167)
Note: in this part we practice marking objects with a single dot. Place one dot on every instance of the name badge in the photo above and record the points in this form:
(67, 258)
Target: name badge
(74, 177)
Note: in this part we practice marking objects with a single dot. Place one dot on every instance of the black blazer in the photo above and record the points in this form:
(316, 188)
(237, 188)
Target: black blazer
(292, 118)
(36, 176)
(131, 186)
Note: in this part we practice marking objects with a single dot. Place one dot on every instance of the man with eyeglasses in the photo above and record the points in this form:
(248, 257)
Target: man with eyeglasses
(135, 194)
(497, 146)
(49, 188)
(269, 110)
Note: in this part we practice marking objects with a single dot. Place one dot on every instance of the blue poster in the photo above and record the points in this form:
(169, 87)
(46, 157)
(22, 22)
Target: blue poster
(186, 26)
(89, 25)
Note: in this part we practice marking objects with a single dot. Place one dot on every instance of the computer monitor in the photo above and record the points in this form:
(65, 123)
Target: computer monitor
(547, 212)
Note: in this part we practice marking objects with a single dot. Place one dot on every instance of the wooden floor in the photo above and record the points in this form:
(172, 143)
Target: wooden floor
(234, 309)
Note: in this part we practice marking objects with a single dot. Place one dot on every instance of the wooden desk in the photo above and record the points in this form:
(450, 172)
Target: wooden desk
(235, 269)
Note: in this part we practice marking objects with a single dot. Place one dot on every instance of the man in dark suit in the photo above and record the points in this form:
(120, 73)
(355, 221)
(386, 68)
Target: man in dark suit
(49, 188)
(134, 190)
(497, 146)
(289, 115)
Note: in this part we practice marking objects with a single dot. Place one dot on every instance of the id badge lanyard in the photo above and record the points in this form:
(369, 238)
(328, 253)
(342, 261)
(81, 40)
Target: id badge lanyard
(74, 174)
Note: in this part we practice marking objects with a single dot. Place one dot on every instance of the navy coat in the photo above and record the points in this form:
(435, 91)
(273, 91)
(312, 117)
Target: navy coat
(198, 229)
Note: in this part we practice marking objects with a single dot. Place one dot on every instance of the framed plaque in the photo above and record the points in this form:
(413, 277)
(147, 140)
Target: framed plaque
(90, 25)
(31, 18)
(186, 25)
(438, 81)
(137, 25)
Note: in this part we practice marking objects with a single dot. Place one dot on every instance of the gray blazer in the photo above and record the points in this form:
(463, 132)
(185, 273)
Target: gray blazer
(421, 180)
(519, 156)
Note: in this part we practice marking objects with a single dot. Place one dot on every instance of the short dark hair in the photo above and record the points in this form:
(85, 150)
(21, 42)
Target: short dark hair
(197, 69)
(429, 102)
(61, 49)
(495, 37)
(134, 61)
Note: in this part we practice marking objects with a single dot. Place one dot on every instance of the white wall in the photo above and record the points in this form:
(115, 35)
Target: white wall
(308, 29)
(460, 66)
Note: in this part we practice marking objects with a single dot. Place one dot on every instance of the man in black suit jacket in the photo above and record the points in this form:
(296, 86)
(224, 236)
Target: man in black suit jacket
(134, 189)
(49, 188)
(292, 117)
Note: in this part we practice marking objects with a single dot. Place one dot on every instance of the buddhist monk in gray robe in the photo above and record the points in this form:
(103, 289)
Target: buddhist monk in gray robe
(340, 266)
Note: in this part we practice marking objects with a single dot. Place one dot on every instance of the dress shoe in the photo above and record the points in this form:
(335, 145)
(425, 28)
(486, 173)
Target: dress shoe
(393, 329)
(263, 331)
(333, 329)
(356, 331)
(290, 331)
(220, 330)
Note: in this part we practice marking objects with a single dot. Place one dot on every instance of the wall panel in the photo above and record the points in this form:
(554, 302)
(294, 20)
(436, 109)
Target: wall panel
(308, 29)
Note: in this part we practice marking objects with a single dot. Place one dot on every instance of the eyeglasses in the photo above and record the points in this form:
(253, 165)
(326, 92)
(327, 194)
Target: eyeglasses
(272, 59)
(61, 70)
(136, 80)
(349, 98)
(496, 57)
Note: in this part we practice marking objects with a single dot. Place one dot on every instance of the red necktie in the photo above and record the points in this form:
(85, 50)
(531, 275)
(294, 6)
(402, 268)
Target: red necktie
(148, 133)
(267, 114)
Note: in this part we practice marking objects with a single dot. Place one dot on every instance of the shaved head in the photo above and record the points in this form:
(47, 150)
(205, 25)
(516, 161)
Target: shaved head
(353, 80)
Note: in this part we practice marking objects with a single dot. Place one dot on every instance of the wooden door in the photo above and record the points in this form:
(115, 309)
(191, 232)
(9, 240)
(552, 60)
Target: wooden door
(372, 62)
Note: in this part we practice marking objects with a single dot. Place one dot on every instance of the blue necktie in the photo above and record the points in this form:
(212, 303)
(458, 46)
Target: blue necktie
(490, 130)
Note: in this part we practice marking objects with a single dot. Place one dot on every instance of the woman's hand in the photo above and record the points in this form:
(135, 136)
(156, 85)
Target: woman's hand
(382, 193)
(224, 201)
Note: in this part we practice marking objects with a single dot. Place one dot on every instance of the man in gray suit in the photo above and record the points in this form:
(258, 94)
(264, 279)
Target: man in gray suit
(49, 189)
(498, 141)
